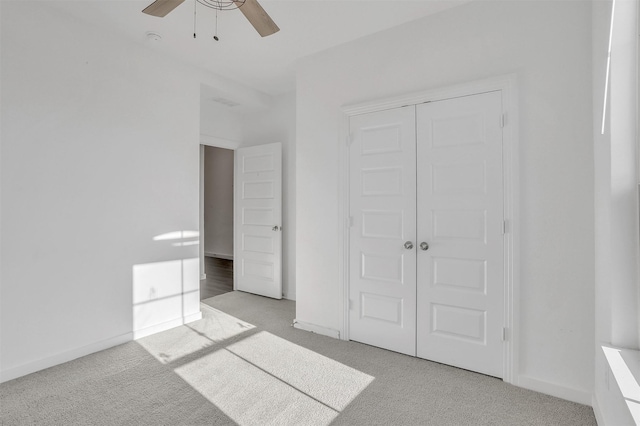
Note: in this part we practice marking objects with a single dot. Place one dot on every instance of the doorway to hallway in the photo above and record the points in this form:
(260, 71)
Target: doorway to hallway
(217, 200)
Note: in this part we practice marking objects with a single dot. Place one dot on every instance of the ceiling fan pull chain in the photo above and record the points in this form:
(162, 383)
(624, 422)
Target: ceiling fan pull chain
(215, 36)
(195, 5)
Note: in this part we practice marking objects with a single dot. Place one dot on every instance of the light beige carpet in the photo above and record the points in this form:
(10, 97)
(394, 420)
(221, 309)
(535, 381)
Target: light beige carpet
(244, 364)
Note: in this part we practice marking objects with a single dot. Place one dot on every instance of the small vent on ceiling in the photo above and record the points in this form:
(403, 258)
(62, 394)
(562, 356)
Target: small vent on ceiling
(226, 102)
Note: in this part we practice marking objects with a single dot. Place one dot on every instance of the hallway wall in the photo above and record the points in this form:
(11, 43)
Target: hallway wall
(218, 202)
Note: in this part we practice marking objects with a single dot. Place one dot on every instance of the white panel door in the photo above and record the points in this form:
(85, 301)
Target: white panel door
(382, 278)
(258, 220)
(460, 216)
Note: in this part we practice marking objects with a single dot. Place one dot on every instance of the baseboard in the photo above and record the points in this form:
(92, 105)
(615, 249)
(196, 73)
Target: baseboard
(61, 358)
(554, 389)
(316, 329)
(219, 256)
(193, 317)
(138, 334)
(596, 411)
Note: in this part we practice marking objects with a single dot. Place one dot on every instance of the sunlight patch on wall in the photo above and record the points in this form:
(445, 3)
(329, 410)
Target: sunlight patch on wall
(625, 366)
(164, 292)
(180, 238)
(176, 235)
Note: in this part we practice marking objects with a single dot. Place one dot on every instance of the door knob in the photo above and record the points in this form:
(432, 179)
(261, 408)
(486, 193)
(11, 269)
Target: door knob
(424, 246)
(408, 245)
(275, 228)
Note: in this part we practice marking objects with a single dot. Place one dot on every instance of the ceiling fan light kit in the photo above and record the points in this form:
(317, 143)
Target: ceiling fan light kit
(251, 9)
(222, 4)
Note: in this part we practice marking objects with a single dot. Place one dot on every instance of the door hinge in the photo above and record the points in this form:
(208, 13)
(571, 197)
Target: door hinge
(503, 120)
(349, 139)
(504, 227)
(350, 304)
(350, 221)
(504, 334)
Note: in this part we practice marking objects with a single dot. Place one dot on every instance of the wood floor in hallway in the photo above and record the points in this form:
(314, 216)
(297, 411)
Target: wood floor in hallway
(219, 277)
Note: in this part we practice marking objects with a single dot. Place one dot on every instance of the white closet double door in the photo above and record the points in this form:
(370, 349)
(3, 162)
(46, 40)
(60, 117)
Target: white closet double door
(427, 228)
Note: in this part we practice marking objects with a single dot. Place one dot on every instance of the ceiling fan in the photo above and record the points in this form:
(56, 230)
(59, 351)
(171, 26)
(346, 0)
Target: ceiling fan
(251, 9)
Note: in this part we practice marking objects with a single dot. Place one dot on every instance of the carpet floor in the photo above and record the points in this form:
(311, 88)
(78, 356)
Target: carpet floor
(244, 364)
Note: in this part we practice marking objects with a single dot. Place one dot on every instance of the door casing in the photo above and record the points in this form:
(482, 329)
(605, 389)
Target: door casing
(507, 84)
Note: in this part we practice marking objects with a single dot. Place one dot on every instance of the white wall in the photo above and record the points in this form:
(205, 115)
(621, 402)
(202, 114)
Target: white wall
(616, 209)
(547, 44)
(100, 161)
(218, 202)
(220, 121)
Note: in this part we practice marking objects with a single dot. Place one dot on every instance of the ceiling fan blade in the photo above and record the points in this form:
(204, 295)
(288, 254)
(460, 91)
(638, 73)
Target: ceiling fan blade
(161, 8)
(256, 15)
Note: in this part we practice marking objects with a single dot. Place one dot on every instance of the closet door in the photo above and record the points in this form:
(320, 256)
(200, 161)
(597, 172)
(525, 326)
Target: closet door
(460, 276)
(382, 278)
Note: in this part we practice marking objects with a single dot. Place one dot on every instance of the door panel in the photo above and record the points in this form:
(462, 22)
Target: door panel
(382, 272)
(258, 218)
(460, 289)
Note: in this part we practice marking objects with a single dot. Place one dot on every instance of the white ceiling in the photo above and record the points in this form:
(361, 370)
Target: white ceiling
(265, 64)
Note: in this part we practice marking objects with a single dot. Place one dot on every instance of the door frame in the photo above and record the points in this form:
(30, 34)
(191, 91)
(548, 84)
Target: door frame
(507, 84)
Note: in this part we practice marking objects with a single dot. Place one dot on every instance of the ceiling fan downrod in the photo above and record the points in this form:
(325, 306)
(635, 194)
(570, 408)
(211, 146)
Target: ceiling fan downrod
(215, 35)
(195, 7)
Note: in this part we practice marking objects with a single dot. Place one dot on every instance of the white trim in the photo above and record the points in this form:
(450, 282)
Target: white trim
(218, 142)
(51, 361)
(430, 95)
(511, 185)
(343, 211)
(507, 84)
(191, 318)
(203, 275)
(138, 334)
(235, 215)
(557, 390)
(313, 328)
(597, 411)
(219, 255)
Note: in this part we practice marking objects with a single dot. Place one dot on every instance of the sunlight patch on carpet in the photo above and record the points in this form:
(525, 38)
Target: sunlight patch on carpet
(322, 378)
(250, 396)
(214, 327)
(267, 380)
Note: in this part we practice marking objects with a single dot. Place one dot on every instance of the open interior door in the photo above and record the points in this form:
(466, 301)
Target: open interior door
(258, 220)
